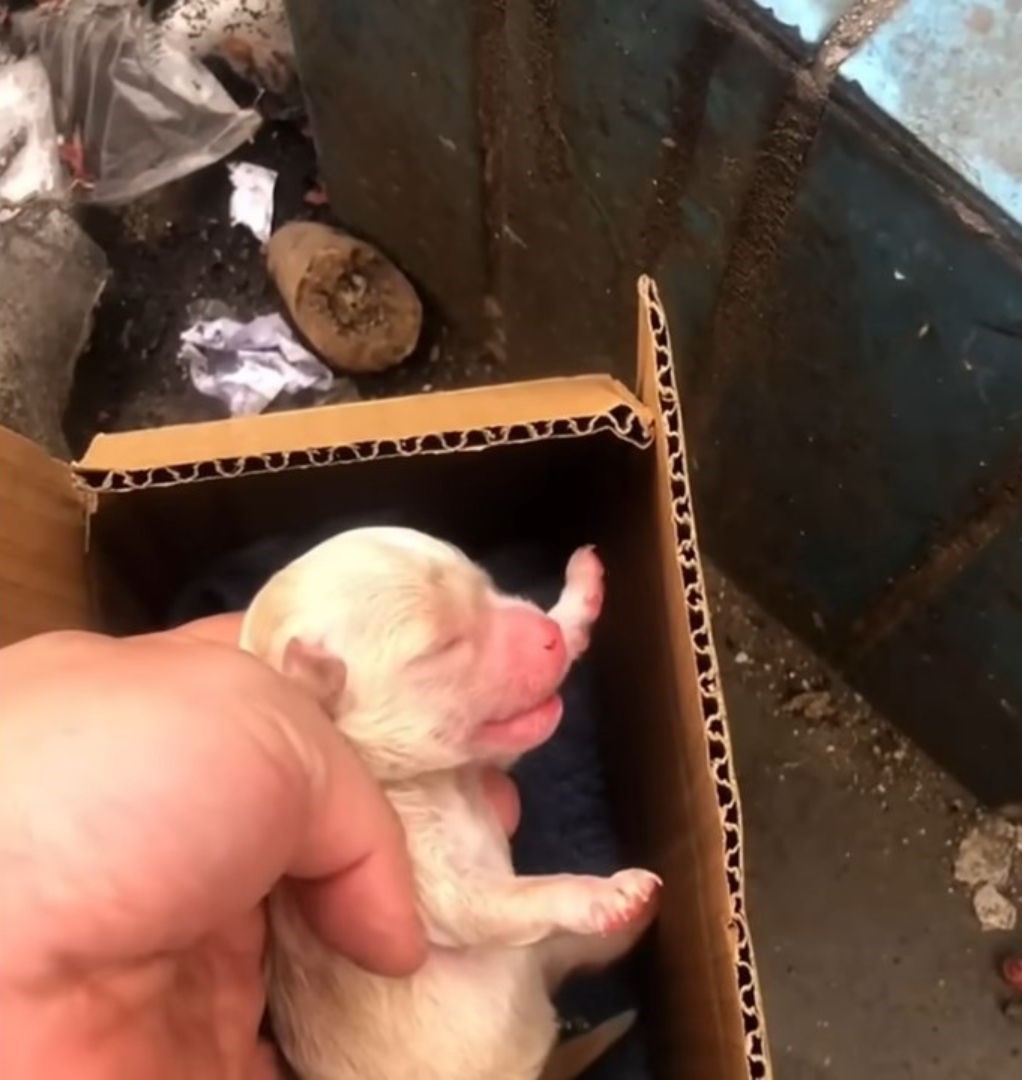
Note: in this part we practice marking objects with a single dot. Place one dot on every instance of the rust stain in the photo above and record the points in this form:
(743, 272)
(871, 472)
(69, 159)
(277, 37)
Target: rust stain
(662, 216)
(963, 112)
(742, 321)
(950, 552)
(543, 59)
(742, 309)
(859, 23)
(491, 98)
(980, 19)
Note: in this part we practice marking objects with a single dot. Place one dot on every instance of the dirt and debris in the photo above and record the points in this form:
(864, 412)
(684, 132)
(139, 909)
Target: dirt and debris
(870, 953)
(177, 246)
(987, 852)
(993, 909)
(989, 861)
(253, 38)
(865, 753)
(824, 713)
(813, 705)
(249, 365)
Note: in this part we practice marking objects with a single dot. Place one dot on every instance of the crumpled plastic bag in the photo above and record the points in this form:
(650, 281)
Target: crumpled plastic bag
(29, 163)
(248, 365)
(144, 110)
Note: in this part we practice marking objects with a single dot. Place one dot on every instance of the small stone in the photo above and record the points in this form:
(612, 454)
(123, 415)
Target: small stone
(812, 704)
(994, 910)
(986, 852)
(742, 658)
(1012, 1010)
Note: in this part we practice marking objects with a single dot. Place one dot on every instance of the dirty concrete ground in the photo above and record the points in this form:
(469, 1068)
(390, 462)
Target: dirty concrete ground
(176, 248)
(872, 960)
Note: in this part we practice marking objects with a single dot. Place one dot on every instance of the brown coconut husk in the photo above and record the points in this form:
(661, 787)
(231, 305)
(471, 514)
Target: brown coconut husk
(353, 306)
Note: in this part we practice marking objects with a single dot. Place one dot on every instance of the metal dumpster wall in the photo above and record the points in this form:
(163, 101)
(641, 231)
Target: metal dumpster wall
(847, 313)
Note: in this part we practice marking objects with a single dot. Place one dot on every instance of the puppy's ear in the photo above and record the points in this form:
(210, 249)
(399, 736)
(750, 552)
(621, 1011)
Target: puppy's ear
(322, 674)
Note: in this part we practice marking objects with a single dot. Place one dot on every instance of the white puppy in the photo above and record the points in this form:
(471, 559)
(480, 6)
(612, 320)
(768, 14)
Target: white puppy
(431, 673)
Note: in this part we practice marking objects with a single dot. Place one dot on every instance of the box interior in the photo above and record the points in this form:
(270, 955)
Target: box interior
(554, 493)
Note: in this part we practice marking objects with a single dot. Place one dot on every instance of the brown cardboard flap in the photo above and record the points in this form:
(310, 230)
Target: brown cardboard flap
(43, 584)
(571, 1058)
(396, 427)
(734, 1020)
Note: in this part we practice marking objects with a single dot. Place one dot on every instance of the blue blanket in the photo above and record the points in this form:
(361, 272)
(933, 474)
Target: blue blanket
(566, 825)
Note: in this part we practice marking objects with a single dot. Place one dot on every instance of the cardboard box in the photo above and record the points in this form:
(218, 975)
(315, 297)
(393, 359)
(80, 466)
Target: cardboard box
(108, 541)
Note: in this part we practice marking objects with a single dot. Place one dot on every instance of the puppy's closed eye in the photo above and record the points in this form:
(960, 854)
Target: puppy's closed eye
(456, 614)
(444, 647)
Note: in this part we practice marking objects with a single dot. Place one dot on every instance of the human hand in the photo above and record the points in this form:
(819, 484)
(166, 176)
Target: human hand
(152, 791)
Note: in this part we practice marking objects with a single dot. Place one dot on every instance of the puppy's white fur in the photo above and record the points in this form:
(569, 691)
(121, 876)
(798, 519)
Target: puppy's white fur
(417, 626)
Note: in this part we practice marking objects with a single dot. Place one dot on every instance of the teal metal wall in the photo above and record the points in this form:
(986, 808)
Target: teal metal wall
(825, 194)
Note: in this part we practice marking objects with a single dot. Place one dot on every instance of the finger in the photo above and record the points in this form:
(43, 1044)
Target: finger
(361, 897)
(355, 882)
(500, 789)
(265, 1063)
(222, 629)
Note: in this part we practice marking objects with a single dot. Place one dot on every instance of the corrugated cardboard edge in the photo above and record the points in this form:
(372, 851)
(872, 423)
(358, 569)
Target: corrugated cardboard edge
(43, 579)
(345, 434)
(657, 384)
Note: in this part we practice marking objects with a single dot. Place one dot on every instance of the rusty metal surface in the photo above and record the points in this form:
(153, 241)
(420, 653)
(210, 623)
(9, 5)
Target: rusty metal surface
(481, 145)
(392, 97)
(863, 457)
(949, 71)
(847, 316)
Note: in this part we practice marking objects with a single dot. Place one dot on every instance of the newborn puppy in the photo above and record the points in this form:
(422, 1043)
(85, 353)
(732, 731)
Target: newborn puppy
(431, 673)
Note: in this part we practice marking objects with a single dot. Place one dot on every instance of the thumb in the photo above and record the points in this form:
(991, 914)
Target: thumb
(352, 876)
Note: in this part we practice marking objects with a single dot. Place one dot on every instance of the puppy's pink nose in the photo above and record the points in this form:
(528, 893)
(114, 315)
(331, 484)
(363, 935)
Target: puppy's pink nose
(535, 639)
(550, 637)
